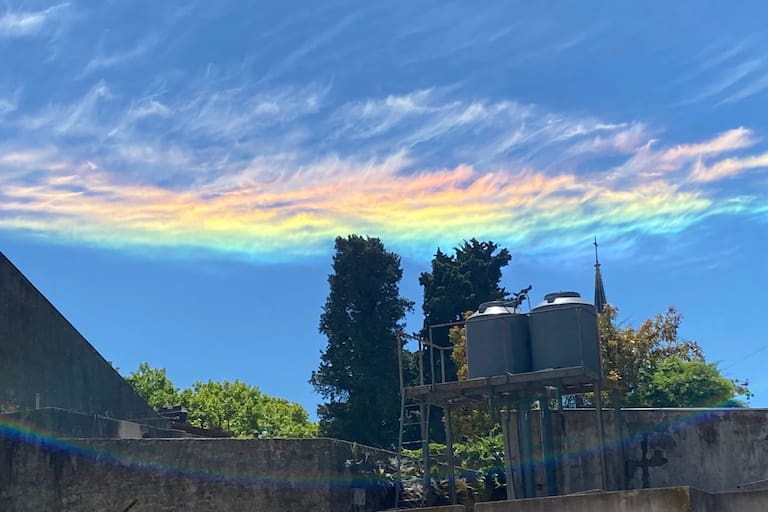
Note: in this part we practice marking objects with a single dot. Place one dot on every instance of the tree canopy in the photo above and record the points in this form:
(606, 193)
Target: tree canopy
(154, 386)
(651, 364)
(460, 282)
(236, 407)
(676, 382)
(358, 372)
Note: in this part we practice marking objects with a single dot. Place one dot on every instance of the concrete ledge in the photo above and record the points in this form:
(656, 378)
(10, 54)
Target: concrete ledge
(443, 508)
(738, 501)
(670, 499)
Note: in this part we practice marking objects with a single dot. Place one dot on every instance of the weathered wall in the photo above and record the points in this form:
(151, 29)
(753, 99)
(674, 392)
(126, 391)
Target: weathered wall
(741, 501)
(189, 475)
(714, 450)
(675, 499)
(41, 352)
(71, 424)
(647, 500)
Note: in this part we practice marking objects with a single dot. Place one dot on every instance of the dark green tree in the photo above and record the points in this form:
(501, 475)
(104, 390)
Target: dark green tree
(358, 372)
(460, 283)
(456, 284)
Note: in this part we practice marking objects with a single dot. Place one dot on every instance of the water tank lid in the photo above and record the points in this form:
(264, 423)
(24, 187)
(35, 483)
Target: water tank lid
(558, 298)
(494, 307)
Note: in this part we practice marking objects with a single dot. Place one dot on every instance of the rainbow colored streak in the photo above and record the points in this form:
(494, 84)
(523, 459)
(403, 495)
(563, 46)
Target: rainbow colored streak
(299, 213)
(126, 453)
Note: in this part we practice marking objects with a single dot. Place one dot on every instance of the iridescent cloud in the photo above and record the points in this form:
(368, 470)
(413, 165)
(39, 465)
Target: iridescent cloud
(284, 209)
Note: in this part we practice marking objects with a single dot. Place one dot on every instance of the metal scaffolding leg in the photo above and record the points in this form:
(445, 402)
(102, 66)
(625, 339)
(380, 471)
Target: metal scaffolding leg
(601, 435)
(449, 449)
(527, 469)
(425, 453)
(506, 431)
(547, 448)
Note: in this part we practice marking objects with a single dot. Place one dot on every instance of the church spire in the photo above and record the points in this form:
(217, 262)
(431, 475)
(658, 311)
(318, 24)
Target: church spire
(600, 301)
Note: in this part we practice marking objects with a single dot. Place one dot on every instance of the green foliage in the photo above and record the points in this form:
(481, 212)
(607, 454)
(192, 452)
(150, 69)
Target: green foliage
(480, 460)
(235, 406)
(154, 386)
(679, 383)
(482, 452)
(650, 364)
(456, 284)
(462, 282)
(245, 411)
(358, 372)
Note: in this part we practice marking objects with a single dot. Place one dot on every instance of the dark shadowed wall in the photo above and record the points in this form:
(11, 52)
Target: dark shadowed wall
(41, 353)
(170, 475)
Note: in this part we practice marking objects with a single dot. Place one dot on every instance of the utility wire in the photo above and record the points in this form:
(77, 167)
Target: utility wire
(745, 357)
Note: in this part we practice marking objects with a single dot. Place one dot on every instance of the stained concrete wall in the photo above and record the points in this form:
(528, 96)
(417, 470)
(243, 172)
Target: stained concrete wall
(71, 424)
(170, 475)
(741, 501)
(675, 499)
(42, 353)
(712, 449)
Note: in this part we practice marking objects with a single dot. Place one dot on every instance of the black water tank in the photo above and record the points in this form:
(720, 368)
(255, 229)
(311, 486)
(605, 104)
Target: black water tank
(497, 341)
(564, 333)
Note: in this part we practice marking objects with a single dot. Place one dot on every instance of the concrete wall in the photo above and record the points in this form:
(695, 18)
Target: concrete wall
(741, 501)
(42, 353)
(444, 508)
(648, 500)
(675, 499)
(715, 450)
(71, 424)
(189, 475)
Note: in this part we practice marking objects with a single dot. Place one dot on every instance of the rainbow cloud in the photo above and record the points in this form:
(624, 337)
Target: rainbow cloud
(542, 183)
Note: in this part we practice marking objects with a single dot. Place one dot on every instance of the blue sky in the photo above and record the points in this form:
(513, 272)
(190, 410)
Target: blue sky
(172, 175)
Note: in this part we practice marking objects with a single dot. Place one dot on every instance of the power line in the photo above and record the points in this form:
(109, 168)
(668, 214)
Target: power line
(745, 357)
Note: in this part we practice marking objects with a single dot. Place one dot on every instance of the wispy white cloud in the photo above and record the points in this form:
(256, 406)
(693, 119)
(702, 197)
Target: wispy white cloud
(728, 168)
(317, 40)
(104, 60)
(730, 78)
(27, 23)
(78, 117)
(730, 140)
(757, 86)
(726, 74)
(9, 103)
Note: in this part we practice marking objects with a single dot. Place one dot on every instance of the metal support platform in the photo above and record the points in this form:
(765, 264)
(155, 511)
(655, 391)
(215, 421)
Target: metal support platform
(572, 380)
(521, 389)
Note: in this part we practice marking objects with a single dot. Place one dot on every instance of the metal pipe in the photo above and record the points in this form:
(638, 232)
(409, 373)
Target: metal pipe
(431, 356)
(526, 448)
(421, 364)
(547, 448)
(442, 365)
(423, 407)
(506, 432)
(601, 435)
(449, 449)
(449, 324)
(402, 422)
